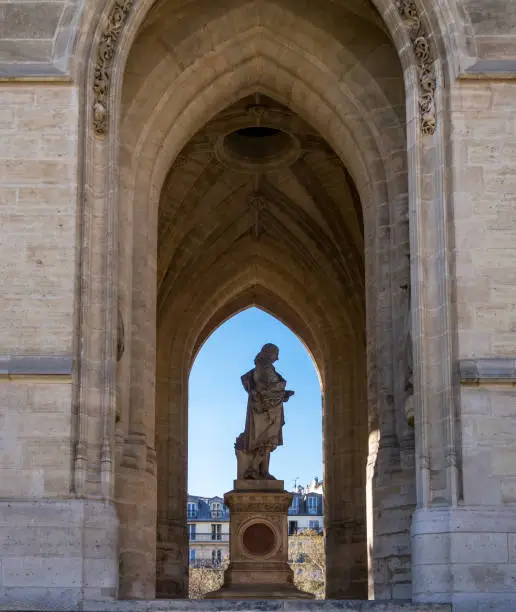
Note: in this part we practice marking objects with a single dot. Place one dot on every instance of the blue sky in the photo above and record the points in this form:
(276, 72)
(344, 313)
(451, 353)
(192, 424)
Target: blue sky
(217, 405)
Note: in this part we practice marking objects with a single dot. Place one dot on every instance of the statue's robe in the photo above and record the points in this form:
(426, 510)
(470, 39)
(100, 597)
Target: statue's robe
(265, 415)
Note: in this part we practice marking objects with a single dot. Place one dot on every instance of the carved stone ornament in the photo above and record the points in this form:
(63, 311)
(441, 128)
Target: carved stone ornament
(120, 340)
(181, 161)
(257, 204)
(247, 504)
(425, 63)
(105, 54)
(260, 112)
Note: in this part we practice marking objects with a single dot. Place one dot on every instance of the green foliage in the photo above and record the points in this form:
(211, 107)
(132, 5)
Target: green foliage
(205, 578)
(308, 561)
(306, 557)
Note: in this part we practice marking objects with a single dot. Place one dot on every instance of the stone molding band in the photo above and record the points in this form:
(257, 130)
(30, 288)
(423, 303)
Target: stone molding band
(15, 73)
(471, 371)
(42, 367)
(494, 370)
(490, 70)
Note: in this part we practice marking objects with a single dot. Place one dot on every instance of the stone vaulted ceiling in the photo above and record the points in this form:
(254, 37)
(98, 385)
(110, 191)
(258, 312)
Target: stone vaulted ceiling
(258, 181)
(348, 35)
(257, 207)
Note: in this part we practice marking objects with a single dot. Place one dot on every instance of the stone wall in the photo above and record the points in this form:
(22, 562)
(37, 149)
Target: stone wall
(53, 548)
(79, 213)
(484, 170)
(485, 226)
(38, 204)
(35, 439)
(477, 557)
(55, 553)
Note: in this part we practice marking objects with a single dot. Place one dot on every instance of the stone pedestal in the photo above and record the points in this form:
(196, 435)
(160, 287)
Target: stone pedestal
(258, 543)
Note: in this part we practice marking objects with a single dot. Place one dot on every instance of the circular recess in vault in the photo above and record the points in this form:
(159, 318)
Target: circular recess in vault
(258, 148)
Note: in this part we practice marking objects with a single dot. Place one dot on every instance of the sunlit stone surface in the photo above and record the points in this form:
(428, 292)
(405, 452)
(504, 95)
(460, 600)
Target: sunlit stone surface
(348, 166)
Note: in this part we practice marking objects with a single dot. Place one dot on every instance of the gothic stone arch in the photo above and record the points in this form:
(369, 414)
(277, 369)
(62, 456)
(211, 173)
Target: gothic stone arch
(407, 108)
(119, 238)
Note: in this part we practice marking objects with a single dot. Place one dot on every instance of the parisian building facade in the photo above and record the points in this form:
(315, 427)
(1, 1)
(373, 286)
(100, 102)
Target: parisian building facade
(208, 525)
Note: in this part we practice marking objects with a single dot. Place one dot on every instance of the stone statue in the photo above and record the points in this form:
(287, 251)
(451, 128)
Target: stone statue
(265, 416)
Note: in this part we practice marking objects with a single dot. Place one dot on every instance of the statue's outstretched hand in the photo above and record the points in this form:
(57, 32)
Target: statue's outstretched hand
(288, 395)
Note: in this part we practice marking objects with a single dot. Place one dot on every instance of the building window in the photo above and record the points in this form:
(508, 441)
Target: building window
(314, 525)
(191, 532)
(191, 510)
(216, 532)
(312, 504)
(192, 555)
(292, 527)
(294, 506)
(216, 510)
(216, 557)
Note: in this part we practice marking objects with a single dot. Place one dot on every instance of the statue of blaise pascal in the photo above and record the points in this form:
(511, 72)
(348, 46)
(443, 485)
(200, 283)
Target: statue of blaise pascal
(265, 416)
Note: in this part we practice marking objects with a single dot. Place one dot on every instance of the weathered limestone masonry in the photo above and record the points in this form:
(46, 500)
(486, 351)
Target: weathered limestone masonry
(54, 545)
(379, 224)
(481, 543)
(263, 606)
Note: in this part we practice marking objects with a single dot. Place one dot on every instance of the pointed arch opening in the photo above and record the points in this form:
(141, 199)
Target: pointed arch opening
(217, 401)
(290, 239)
(216, 416)
(323, 227)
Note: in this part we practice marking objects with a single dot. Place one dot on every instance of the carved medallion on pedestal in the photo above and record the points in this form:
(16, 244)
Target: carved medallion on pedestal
(258, 543)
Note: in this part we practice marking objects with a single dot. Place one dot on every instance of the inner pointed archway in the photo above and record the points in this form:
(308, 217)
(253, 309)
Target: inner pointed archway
(258, 209)
(259, 178)
(217, 403)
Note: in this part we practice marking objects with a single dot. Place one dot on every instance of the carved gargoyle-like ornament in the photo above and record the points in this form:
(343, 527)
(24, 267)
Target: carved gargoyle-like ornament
(105, 54)
(120, 336)
(425, 63)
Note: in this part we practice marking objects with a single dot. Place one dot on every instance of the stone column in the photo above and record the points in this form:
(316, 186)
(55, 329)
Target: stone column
(172, 452)
(345, 435)
(136, 490)
(394, 486)
(433, 333)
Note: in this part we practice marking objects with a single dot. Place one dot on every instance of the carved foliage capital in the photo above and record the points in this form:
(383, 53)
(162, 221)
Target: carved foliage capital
(106, 51)
(425, 63)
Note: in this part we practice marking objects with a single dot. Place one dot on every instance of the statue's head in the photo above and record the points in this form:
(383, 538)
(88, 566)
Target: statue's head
(268, 354)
